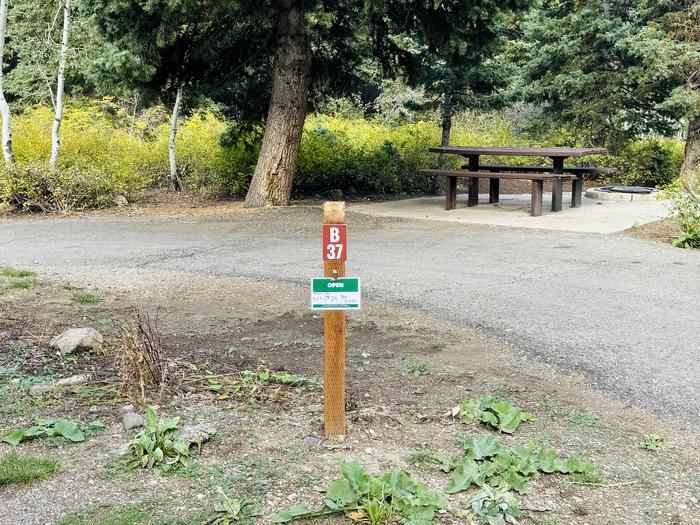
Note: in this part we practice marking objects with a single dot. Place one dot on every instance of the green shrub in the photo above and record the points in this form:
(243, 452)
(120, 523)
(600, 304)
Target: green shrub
(105, 150)
(686, 212)
(36, 187)
(651, 162)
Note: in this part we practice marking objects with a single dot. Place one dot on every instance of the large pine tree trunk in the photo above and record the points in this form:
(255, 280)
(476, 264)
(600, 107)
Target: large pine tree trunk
(691, 162)
(58, 117)
(7, 152)
(174, 179)
(272, 180)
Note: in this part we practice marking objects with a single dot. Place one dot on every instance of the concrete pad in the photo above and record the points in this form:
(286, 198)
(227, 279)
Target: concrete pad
(594, 216)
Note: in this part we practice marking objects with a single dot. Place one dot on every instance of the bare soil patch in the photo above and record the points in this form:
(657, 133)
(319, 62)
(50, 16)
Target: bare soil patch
(663, 231)
(270, 446)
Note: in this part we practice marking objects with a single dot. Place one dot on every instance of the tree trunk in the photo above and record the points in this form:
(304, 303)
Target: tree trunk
(272, 180)
(446, 117)
(56, 128)
(7, 152)
(174, 179)
(691, 162)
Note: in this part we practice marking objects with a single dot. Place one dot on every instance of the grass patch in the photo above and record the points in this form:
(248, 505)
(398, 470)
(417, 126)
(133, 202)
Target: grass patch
(16, 470)
(7, 271)
(124, 515)
(85, 298)
(584, 419)
(23, 283)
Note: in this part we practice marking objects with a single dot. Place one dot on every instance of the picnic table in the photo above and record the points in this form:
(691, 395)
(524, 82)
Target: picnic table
(557, 173)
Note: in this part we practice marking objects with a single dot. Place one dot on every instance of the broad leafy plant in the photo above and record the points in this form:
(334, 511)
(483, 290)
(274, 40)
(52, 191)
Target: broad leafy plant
(232, 511)
(373, 499)
(486, 461)
(494, 506)
(497, 413)
(46, 427)
(158, 445)
(686, 211)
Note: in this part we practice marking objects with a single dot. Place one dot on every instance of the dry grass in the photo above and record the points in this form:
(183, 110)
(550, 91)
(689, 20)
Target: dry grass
(143, 365)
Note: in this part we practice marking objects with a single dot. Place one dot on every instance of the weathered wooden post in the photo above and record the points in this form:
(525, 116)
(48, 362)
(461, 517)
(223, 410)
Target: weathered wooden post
(334, 293)
(334, 255)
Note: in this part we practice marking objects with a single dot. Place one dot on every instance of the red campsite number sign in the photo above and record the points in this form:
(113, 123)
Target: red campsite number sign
(335, 242)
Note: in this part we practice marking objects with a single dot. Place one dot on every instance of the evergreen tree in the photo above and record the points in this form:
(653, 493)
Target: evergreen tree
(613, 70)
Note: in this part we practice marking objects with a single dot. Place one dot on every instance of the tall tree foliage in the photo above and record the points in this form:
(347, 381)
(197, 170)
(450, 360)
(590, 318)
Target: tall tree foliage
(615, 69)
(452, 48)
(34, 32)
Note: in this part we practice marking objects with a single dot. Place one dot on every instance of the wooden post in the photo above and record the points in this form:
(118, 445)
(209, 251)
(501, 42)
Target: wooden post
(334, 341)
(557, 184)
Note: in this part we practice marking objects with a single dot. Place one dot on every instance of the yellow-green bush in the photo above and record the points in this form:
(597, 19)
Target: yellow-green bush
(106, 151)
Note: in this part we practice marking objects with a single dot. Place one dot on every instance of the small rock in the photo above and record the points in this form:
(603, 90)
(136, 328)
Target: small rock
(76, 338)
(120, 200)
(45, 387)
(336, 194)
(314, 408)
(312, 441)
(199, 433)
(133, 420)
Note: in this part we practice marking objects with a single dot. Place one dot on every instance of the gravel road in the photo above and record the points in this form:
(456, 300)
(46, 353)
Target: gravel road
(621, 311)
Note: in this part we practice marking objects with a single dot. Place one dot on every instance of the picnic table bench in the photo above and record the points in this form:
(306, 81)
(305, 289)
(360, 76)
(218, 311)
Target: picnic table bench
(556, 173)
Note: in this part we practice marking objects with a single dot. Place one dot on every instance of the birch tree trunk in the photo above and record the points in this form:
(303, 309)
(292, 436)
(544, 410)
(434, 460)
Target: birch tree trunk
(174, 179)
(691, 162)
(56, 128)
(7, 152)
(272, 180)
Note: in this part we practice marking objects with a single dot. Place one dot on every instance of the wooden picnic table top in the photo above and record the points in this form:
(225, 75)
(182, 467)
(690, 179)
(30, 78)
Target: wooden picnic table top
(519, 151)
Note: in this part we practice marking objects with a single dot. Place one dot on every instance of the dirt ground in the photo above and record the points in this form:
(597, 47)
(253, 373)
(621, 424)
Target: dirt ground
(269, 444)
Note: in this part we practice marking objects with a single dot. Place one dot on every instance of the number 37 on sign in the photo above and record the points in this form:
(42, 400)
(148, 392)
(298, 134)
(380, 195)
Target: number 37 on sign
(335, 242)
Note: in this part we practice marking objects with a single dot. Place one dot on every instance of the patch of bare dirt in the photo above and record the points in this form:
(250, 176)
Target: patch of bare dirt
(663, 231)
(270, 445)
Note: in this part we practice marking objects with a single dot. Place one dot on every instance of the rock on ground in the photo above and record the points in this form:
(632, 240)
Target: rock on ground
(133, 420)
(199, 433)
(76, 338)
(46, 387)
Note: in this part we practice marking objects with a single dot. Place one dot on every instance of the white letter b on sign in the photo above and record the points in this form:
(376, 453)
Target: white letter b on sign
(335, 234)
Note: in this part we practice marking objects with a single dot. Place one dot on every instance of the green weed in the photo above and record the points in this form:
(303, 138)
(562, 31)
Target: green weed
(416, 369)
(486, 461)
(374, 499)
(45, 427)
(158, 445)
(230, 511)
(85, 298)
(584, 419)
(125, 515)
(15, 470)
(497, 413)
(592, 477)
(653, 442)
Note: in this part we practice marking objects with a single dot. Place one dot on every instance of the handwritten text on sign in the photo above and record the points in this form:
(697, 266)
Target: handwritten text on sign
(335, 242)
(335, 294)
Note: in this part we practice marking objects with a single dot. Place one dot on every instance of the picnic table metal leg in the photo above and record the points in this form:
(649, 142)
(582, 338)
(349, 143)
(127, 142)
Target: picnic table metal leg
(493, 190)
(576, 191)
(451, 194)
(536, 198)
(473, 192)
